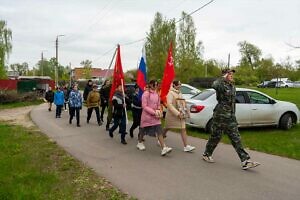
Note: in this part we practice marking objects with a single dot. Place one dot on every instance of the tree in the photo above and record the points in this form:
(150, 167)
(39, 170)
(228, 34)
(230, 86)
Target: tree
(250, 55)
(87, 68)
(188, 53)
(162, 32)
(266, 69)
(22, 69)
(5, 46)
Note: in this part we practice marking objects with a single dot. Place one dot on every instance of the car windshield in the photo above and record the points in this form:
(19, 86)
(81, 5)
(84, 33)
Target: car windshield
(203, 95)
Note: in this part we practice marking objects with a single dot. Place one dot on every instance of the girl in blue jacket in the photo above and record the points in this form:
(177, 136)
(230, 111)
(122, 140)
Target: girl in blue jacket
(59, 101)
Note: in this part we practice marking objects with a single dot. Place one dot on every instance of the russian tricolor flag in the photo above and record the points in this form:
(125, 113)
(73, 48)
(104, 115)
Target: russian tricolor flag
(141, 79)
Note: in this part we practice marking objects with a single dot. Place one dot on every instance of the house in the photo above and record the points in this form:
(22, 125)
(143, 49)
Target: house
(78, 73)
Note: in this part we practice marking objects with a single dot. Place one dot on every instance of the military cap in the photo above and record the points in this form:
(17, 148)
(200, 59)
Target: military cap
(227, 70)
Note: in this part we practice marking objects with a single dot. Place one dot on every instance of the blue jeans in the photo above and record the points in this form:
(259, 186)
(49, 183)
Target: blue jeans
(121, 122)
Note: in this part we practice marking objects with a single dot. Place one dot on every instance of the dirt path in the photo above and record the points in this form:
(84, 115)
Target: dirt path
(17, 116)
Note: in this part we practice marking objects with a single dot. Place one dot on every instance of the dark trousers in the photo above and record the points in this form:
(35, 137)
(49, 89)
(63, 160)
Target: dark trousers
(121, 123)
(90, 111)
(136, 115)
(58, 110)
(109, 115)
(230, 128)
(103, 106)
(75, 111)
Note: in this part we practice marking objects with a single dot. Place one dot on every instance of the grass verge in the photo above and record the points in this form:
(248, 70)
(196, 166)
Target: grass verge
(20, 104)
(34, 167)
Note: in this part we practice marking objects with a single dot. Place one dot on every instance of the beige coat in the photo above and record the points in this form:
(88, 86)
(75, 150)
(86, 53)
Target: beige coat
(172, 119)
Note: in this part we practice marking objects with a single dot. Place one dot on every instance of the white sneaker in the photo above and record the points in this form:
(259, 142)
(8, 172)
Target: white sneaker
(208, 158)
(249, 164)
(166, 150)
(140, 146)
(188, 148)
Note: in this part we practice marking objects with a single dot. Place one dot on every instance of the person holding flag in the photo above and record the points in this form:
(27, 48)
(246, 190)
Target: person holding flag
(136, 105)
(117, 98)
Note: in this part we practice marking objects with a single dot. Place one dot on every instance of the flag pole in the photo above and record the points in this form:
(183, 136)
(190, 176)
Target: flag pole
(124, 100)
(112, 59)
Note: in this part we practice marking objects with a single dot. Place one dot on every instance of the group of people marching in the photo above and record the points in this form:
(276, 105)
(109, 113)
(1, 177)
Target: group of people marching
(147, 112)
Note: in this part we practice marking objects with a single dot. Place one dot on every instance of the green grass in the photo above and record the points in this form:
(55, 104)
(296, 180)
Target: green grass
(34, 167)
(284, 94)
(20, 104)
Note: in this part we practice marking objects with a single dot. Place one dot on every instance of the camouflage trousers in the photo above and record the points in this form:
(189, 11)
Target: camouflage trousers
(227, 126)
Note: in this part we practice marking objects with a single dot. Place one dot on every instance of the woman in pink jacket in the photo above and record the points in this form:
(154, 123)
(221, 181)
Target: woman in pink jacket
(150, 120)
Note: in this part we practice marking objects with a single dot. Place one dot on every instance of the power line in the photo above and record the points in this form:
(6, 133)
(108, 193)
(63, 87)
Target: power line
(198, 9)
(142, 39)
(96, 20)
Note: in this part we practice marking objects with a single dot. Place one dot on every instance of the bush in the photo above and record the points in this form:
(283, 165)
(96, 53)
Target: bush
(13, 97)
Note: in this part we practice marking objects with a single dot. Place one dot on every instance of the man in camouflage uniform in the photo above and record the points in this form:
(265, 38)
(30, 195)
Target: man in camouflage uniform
(224, 120)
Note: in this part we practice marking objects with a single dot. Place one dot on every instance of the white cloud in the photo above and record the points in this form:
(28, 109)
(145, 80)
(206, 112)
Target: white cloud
(96, 26)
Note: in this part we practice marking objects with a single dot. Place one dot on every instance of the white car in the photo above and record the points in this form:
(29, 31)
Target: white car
(253, 108)
(188, 91)
(285, 84)
(297, 84)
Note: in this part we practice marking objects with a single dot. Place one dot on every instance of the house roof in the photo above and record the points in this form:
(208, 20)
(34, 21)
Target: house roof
(95, 72)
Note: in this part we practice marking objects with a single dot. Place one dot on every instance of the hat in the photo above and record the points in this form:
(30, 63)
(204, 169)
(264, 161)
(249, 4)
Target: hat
(227, 70)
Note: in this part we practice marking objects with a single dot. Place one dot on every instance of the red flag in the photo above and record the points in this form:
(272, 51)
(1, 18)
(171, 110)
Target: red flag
(118, 75)
(169, 75)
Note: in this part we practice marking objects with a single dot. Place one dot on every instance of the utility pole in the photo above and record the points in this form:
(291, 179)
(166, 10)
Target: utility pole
(70, 75)
(42, 64)
(56, 66)
(228, 61)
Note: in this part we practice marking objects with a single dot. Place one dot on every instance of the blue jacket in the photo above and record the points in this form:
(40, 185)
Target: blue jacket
(59, 98)
(75, 100)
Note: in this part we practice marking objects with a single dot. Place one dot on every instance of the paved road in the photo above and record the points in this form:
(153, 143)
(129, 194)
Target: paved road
(180, 175)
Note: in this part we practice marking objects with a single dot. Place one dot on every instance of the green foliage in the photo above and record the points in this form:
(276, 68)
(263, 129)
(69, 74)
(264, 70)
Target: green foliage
(5, 46)
(87, 68)
(162, 32)
(22, 69)
(245, 76)
(212, 67)
(266, 70)
(250, 54)
(14, 97)
(188, 53)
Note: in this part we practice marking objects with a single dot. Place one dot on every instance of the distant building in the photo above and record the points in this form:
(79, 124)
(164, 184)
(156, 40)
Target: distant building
(13, 74)
(96, 73)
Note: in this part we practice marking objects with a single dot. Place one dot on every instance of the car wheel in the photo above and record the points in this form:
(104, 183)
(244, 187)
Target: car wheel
(208, 127)
(286, 86)
(286, 121)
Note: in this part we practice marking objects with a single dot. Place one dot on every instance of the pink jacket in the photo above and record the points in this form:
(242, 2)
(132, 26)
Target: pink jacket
(150, 103)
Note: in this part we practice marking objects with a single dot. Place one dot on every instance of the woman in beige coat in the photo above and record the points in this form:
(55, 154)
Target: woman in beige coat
(176, 114)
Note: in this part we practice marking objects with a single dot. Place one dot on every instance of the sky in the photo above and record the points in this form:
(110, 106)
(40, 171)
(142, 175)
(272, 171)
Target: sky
(93, 28)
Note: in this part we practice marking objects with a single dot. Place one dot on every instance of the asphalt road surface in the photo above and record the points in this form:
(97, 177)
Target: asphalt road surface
(179, 175)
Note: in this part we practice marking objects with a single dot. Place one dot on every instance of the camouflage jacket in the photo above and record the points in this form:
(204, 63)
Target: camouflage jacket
(225, 93)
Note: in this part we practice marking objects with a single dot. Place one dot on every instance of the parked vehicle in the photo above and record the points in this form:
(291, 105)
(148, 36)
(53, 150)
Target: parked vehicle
(253, 108)
(271, 84)
(188, 91)
(285, 84)
(297, 84)
(263, 84)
